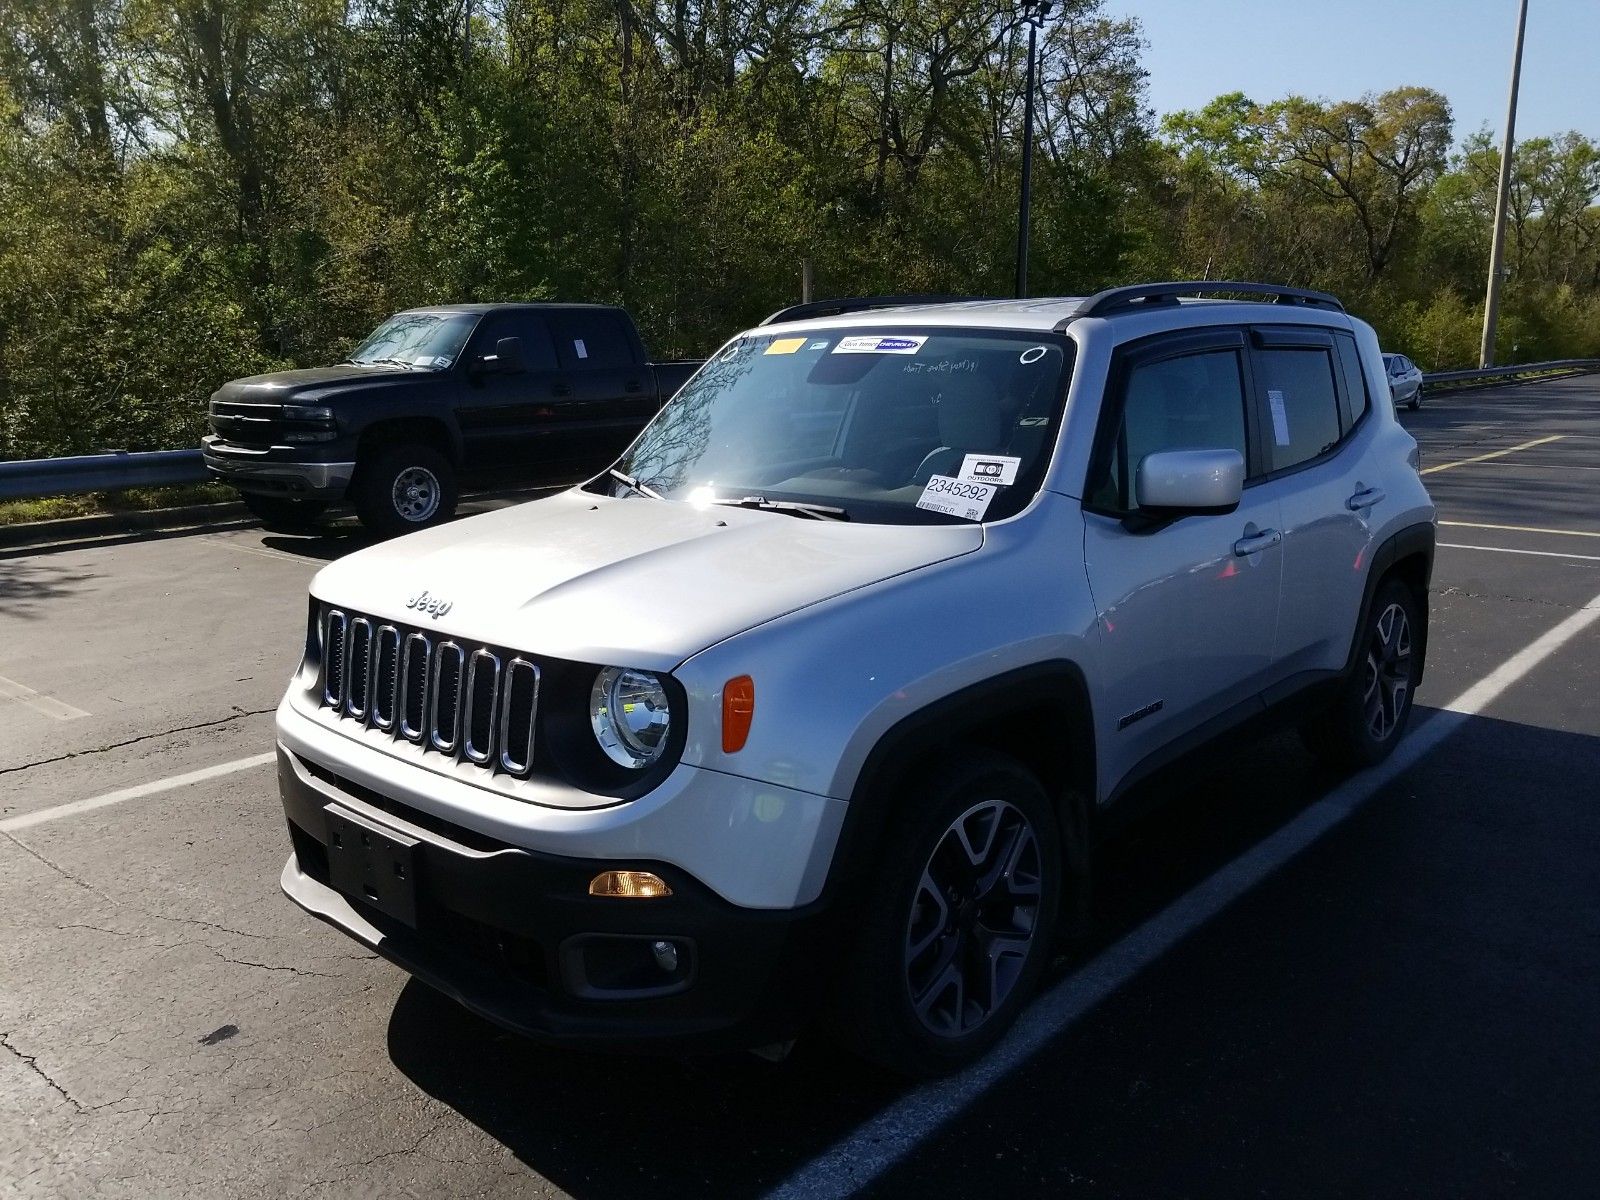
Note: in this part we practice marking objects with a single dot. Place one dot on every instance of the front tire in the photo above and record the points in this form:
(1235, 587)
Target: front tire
(285, 514)
(1369, 715)
(960, 922)
(405, 488)
(1416, 399)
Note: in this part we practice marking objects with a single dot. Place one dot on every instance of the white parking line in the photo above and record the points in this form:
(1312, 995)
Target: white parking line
(1478, 458)
(887, 1138)
(1509, 550)
(10, 689)
(1521, 528)
(72, 809)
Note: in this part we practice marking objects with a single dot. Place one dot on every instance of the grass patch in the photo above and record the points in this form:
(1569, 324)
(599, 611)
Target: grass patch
(54, 508)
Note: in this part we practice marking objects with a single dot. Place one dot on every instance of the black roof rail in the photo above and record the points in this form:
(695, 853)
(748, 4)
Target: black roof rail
(1142, 295)
(850, 304)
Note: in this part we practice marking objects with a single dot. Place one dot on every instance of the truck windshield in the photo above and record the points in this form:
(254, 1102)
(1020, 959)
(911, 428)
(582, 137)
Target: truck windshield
(895, 426)
(431, 341)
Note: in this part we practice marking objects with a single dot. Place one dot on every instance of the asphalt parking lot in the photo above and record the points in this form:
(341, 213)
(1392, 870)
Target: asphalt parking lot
(1297, 985)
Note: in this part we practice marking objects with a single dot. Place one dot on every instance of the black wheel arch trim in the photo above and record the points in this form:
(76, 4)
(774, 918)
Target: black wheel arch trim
(1414, 541)
(968, 714)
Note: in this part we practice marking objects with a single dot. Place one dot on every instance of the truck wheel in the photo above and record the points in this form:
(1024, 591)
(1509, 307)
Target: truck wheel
(404, 488)
(960, 922)
(1368, 716)
(287, 514)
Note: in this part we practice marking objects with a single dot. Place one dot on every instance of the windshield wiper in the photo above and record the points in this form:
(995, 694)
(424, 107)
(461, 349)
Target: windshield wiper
(795, 508)
(644, 489)
(399, 362)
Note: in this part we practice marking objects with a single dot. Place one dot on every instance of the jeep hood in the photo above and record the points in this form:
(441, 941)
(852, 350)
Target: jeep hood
(635, 582)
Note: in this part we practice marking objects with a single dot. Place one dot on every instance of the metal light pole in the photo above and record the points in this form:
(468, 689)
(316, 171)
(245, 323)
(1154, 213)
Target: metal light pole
(1497, 250)
(1034, 12)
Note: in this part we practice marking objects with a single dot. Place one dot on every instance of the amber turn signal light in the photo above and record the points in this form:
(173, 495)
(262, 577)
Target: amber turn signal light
(738, 710)
(631, 885)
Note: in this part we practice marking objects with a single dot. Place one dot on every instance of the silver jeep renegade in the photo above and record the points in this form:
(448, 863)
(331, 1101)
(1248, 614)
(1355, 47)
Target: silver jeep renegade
(805, 712)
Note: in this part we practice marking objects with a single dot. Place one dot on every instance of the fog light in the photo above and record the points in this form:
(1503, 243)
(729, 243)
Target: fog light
(633, 885)
(666, 955)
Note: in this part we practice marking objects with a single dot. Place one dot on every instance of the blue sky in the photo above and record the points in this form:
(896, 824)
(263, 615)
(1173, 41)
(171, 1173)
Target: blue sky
(1339, 49)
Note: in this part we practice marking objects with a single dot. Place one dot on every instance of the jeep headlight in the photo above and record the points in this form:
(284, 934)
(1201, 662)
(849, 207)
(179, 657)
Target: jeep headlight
(630, 715)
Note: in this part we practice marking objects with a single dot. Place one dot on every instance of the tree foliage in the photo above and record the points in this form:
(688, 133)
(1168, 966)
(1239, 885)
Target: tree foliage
(193, 190)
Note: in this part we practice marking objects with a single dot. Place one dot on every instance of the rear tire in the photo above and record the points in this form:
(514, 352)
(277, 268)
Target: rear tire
(1369, 715)
(960, 921)
(286, 514)
(404, 488)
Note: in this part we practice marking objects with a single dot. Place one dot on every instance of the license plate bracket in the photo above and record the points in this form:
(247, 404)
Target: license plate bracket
(372, 863)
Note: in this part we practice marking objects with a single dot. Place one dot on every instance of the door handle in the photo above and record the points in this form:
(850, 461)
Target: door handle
(1365, 498)
(1255, 540)
(633, 385)
(560, 389)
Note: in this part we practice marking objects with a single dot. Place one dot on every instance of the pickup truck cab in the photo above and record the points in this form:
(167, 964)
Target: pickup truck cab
(807, 710)
(513, 392)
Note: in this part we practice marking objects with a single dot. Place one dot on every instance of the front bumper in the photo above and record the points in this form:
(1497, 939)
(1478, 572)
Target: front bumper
(513, 935)
(275, 470)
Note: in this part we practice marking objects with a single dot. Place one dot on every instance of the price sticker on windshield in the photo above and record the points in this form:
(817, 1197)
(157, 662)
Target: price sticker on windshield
(957, 498)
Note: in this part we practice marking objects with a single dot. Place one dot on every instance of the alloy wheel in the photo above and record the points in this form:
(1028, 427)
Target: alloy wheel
(1387, 688)
(416, 494)
(973, 918)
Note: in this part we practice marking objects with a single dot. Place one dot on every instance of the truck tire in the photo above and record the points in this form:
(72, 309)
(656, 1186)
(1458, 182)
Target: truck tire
(960, 921)
(403, 488)
(1369, 714)
(286, 514)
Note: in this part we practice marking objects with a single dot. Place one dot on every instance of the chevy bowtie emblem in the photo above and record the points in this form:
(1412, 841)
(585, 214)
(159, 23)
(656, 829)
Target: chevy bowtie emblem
(431, 605)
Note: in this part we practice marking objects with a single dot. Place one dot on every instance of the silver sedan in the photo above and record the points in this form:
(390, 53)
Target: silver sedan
(1405, 381)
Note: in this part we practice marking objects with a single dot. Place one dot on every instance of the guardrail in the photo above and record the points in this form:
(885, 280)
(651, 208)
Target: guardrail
(1485, 374)
(25, 479)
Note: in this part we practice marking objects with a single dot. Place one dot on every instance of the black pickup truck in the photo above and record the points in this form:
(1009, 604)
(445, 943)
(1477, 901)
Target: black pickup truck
(504, 392)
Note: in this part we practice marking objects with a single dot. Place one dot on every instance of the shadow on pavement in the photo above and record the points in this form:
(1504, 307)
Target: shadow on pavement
(1404, 1008)
(26, 585)
(602, 1126)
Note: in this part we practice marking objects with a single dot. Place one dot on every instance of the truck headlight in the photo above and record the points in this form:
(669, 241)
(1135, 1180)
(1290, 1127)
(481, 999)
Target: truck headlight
(630, 715)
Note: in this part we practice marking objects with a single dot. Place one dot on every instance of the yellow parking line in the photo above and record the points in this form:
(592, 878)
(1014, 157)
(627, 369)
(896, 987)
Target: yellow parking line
(1521, 528)
(1554, 437)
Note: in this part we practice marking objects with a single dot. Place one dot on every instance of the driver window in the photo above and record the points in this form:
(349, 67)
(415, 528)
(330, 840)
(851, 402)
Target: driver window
(538, 351)
(1193, 402)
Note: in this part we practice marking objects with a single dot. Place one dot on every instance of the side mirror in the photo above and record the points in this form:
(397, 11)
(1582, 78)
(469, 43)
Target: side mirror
(506, 359)
(1175, 482)
(508, 355)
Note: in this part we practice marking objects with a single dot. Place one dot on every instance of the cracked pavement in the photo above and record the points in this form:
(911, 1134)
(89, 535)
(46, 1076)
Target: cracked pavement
(170, 1026)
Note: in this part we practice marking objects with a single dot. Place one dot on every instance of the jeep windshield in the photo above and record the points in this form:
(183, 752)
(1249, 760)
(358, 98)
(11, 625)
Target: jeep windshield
(416, 339)
(900, 426)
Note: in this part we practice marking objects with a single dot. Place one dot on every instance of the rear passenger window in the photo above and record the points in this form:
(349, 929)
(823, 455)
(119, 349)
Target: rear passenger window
(1194, 402)
(596, 339)
(1302, 403)
(1355, 381)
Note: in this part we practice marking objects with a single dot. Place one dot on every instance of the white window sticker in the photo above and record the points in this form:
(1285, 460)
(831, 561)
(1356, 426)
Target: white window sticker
(879, 344)
(583, 351)
(817, 346)
(955, 498)
(1280, 417)
(989, 468)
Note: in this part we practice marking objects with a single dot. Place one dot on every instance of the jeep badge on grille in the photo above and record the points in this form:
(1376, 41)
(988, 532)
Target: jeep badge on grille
(431, 605)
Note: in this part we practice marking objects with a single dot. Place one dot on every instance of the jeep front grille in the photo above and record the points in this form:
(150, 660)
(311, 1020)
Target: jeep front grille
(472, 703)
